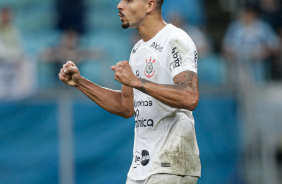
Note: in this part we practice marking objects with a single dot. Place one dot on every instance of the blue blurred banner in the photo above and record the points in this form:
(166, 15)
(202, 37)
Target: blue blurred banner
(103, 143)
(28, 143)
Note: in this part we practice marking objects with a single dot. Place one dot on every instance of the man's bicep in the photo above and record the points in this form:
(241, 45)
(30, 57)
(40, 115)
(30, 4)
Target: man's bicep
(188, 79)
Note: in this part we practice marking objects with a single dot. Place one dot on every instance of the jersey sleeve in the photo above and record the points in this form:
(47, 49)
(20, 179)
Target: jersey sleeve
(182, 54)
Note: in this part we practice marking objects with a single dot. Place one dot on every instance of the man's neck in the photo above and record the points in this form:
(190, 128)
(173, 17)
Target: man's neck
(151, 27)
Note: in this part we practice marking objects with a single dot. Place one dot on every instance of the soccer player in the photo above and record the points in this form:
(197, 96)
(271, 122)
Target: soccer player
(159, 87)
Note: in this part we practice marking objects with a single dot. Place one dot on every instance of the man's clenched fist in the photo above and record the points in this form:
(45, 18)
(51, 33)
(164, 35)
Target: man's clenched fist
(70, 74)
(124, 74)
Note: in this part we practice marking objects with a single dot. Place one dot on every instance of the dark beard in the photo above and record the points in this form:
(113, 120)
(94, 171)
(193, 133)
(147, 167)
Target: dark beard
(125, 25)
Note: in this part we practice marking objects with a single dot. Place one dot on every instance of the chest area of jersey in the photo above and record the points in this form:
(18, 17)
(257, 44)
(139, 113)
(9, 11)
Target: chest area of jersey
(149, 64)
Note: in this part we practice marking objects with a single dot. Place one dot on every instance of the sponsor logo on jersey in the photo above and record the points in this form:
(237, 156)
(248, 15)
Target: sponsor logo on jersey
(142, 158)
(196, 58)
(142, 103)
(156, 46)
(137, 73)
(141, 122)
(149, 68)
(134, 50)
(176, 57)
(144, 123)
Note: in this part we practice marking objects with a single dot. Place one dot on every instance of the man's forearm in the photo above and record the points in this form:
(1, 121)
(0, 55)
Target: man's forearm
(108, 99)
(184, 95)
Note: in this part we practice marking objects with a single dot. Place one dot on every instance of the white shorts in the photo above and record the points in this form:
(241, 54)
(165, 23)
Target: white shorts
(165, 179)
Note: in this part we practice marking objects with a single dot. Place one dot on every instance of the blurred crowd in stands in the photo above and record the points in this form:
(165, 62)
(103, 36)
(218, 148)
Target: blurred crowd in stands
(16, 79)
(250, 52)
(251, 47)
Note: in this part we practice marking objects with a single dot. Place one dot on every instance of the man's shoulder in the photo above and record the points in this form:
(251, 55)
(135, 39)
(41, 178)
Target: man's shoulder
(178, 34)
(179, 37)
(136, 46)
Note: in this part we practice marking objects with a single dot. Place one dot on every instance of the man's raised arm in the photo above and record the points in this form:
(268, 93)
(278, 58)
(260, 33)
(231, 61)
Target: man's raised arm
(113, 101)
(183, 94)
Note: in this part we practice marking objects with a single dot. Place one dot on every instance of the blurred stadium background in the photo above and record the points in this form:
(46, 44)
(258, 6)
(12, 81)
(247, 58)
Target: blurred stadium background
(51, 133)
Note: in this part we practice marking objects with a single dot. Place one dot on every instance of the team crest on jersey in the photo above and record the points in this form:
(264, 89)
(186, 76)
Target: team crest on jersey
(149, 68)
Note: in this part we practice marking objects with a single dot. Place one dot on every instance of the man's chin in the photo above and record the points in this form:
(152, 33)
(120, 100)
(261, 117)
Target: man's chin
(125, 25)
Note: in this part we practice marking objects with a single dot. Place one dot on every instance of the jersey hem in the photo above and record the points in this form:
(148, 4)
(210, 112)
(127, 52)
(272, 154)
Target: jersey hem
(153, 173)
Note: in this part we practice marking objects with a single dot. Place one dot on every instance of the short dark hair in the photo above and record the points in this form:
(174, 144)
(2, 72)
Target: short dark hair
(159, 4)
(161, 1)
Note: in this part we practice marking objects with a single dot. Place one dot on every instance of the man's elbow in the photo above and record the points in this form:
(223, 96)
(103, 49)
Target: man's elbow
(193, 106)
(191, 103)
(126, 114)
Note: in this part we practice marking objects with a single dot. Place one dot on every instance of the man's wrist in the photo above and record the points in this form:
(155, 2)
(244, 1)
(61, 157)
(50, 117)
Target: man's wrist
(80, 82)
(140, 85)
(137, 83)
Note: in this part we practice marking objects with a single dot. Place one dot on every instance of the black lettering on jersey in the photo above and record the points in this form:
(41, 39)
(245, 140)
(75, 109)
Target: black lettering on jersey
(156, 46)
(142, 103)
(177, 58)
(196, 58)
(141, 122)
(150, 122)
(137, 73)
(144, 123)
(136, 113)
(134, 50)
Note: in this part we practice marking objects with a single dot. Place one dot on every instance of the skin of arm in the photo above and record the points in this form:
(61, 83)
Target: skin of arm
(116, 102)
(183, 94)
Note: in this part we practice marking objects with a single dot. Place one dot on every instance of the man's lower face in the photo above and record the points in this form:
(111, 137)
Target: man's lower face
(125, 25)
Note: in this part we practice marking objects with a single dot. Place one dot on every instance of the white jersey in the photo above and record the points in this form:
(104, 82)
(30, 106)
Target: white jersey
(165, 140)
